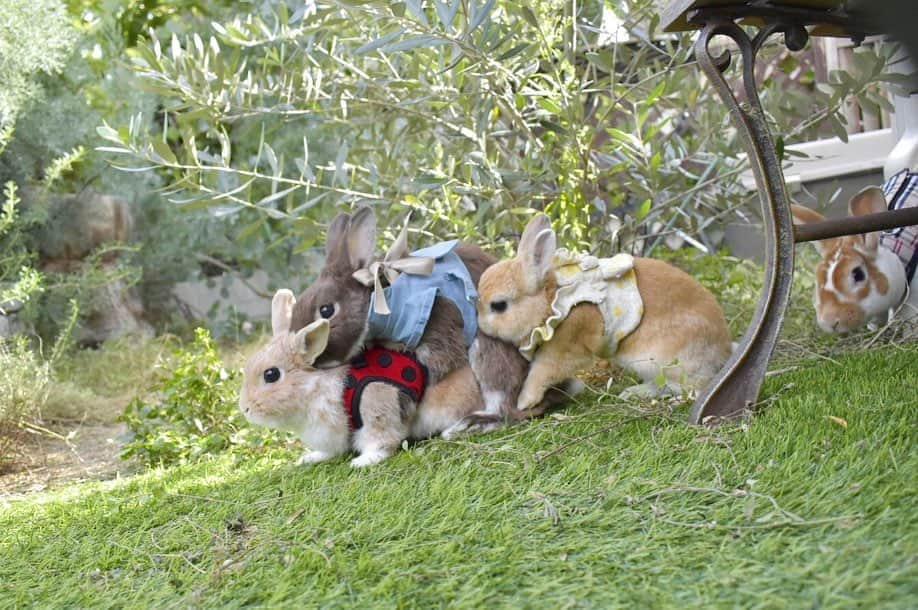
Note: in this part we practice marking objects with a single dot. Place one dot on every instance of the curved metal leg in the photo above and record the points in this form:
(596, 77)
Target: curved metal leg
(735, 389)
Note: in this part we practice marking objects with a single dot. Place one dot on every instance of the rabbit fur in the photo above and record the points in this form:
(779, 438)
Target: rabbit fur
(498, 367)
(299, 397)
(682, 334)
(859, 281)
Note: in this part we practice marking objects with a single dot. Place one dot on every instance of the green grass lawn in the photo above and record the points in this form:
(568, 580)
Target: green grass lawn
(810, 504)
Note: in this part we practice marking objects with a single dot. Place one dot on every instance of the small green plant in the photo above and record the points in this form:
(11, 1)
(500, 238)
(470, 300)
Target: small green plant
(18, 279)
(194, 412)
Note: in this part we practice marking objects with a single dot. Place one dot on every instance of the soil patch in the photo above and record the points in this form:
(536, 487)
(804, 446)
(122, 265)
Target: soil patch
(68, 454)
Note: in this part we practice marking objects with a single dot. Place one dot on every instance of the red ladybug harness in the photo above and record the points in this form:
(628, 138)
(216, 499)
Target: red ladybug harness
(399, 369)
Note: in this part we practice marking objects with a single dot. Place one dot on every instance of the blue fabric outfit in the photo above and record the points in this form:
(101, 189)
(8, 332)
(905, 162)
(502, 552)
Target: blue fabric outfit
(411, 298)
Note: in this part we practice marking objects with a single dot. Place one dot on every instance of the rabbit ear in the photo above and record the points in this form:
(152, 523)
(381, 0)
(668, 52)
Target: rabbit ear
(539, 223)
(361, 238)
(870, 200)
(282, 311)
(803, 215)
(311, 341)
(336, 236)
(537, 259)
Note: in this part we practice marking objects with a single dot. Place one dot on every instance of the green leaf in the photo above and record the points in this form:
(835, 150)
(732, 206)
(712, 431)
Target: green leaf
(549, 105)
(835, 122)
(895, 78)
(277, 215)
(225, 147)
(426, 40)
(654, 95)
(863, 63)
(379, 42)
(643, 210)
(623, 137)
(251, 228)
(446, 12)
(479, 15)
(414, 7)
(790, 152)
(109, 133)
(514, 51)
(278, 195)
(176, 48)
(339, 163)
(883, 102)
(163, 151)
(304, 245)
(867, 104)
(272, 160)
(529, 16)
(196, 204)
(603, 59)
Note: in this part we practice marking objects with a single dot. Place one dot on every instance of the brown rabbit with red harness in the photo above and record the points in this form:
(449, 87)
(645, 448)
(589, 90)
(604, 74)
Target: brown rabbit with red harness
(340, 409)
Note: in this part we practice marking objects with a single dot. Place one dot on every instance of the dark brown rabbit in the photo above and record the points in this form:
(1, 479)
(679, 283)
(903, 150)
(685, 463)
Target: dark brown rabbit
(345, 302)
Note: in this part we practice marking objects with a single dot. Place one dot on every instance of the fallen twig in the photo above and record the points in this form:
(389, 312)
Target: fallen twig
(789, 517)
(597, 432)
(235, 272)
(760, 526)
(152, 558)
(66, 439)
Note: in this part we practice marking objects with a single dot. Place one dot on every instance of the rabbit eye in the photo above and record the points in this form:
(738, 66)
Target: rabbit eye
(858, 274)
(498, 306)
(327, 311)
(272, 374)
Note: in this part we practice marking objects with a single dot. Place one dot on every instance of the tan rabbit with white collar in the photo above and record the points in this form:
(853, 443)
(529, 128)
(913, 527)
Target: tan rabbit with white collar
(282, 389)
(670, 324)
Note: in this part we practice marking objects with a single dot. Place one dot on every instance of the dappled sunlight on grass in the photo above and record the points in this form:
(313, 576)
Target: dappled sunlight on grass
(601, 502)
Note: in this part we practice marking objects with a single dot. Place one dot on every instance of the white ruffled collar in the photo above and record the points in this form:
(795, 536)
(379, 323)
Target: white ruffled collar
(580, 278)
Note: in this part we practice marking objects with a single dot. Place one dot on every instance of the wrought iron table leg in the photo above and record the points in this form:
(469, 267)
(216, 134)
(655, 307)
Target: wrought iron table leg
(735, 389)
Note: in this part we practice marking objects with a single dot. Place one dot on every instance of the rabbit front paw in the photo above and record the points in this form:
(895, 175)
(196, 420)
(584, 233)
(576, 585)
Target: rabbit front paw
(642, 390)
(529, 397)
(370, 457)
(651, 390)
(477, 422)
(314, 457)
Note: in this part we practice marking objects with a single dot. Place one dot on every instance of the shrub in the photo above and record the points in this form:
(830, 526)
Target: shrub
(24, 381)
(470, 113)
(19, 281)
(193, 413)
(35, 39)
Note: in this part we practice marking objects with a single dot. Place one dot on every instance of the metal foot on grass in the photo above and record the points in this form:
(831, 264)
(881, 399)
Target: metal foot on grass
(735, 389)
